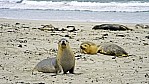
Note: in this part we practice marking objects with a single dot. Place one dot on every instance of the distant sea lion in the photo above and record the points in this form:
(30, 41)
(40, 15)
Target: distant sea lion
(113, 27)
(112, 49)
(88, 48)
(65, 60)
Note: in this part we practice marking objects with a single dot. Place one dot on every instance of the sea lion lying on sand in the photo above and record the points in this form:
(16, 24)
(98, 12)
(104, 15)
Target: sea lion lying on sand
(105, 48)
(112, 49)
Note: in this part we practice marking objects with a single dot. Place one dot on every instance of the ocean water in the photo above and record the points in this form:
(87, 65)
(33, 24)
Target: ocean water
(128, 11)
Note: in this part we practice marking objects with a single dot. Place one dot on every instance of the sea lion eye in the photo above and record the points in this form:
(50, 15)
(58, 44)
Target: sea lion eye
(85, 45)
(67, 41)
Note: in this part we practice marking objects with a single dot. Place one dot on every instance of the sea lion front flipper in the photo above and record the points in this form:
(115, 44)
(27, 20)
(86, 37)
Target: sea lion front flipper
(59, 69)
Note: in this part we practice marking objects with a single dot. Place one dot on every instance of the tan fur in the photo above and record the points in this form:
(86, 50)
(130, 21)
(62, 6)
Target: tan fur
(88, 48)
(65, 57)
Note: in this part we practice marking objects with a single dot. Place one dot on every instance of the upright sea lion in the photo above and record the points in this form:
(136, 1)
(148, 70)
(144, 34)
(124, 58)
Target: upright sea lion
(65, 57)
(65, 60)
(88, 48)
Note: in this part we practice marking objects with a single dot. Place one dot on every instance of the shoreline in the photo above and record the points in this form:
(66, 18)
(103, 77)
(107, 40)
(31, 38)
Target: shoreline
(77, 21)
(23, 45)
(64, 22)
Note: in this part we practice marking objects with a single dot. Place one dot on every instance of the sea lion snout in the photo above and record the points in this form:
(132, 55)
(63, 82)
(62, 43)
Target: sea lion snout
(63, 43)
(82, 47)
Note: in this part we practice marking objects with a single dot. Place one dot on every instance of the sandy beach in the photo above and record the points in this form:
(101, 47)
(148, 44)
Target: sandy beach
(23, 44)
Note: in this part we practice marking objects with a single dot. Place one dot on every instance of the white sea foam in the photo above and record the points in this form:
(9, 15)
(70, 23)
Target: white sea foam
(79, 6)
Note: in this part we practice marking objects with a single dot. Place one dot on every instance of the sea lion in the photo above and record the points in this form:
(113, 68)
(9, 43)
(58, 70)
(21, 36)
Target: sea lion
(112, 49)
(46, 66)
(65, 57)
(113, 27)
(103, 48)
(88, 48)
(63, 62)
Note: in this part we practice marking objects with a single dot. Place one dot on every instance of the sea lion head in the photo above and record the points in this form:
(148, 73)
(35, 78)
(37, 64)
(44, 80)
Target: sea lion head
(63, 43)
(88, 48)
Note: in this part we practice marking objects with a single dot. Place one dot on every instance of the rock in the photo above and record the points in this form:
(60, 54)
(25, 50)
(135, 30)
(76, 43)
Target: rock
(105, 35)
(71, 28)
(145, 44)
(147, 37)
(17, 23)
(113, 27)
(48, 28)
(20, 45)
(120, 35)
(141, 26)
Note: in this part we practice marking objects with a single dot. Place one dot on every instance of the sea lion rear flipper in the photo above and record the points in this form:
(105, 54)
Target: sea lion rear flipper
(71, 70)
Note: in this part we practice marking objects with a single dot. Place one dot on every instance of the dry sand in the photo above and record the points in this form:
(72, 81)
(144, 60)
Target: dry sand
(23, 45)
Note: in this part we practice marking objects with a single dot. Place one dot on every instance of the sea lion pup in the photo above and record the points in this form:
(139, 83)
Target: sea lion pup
(65, 57)
(88, 48)
(112, 49)
(64, 62)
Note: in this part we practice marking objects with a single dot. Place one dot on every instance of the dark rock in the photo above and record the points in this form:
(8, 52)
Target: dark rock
(67, 36)
(41, 83)
(17, 24)
(20, 45)
(22, 41)
(120, 35)
(145, 44)
(19, 1)
(147, 37)
(71, 28)
(114, 57)
(146, 75)
(105, 35)
(63, 29)
(47, 28)
(113, 27)
(10, 31)
(78, 56)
